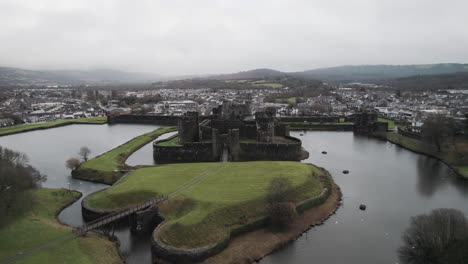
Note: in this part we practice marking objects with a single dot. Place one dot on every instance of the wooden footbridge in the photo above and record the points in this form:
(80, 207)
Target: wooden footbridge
(81, 230)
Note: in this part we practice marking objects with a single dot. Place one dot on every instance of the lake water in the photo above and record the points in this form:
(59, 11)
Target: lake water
(47, 151)
(394, 183)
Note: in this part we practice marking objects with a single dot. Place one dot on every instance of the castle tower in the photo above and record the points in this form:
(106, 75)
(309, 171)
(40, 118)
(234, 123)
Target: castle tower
(265, 127)
(188, 128)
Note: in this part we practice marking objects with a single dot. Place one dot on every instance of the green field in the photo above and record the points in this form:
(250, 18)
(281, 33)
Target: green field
(32, 222)
(105, 167)
(447, 155)
(28, 127)
(229, 197)
(391, 123)
(291, 101)
(268, 84)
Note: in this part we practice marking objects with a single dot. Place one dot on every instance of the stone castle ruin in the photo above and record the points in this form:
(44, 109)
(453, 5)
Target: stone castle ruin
(233, 130)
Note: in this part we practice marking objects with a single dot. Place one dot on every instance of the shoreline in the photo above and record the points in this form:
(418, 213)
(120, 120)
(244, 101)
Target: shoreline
(246, 248)
(452, 167)
(51, 126)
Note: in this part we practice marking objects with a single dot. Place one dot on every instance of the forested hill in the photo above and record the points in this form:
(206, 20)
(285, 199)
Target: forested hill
(360, 73)
(16, 76)
(430, 82)
(256, 74)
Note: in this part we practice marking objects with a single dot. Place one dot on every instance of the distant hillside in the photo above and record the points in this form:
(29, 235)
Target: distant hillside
(16, 76)
(379, 72)
(431, 82)
(250, 75)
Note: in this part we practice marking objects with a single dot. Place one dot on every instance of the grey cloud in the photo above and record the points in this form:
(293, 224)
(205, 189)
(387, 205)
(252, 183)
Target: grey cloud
(193, 37)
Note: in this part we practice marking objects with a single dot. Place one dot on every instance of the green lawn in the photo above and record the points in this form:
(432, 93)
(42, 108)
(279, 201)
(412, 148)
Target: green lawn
(104, 168)
(32, 223)
(170, 143)
(228, 197)
(391, 123)
(268, 84)
(28, 127)
(290, 100)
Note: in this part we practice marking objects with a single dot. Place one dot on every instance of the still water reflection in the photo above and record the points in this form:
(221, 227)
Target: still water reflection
(394, 183)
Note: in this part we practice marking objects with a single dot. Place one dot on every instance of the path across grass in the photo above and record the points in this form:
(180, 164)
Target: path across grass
(46, 125)
(227, 197)
(107, 167)
(32, 223)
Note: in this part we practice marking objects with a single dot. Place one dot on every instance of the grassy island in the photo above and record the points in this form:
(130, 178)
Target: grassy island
(46, 125)
(230, 197)
(455, 158)
(106, 168)
(32, 222)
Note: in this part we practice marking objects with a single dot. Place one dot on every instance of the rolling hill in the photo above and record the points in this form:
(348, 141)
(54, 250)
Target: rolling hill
(16, 76)
(354, 73)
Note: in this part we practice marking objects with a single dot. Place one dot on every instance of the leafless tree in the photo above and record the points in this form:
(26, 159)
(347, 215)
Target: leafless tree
(84, 153)
(72, 163)
(438, 129)
(437, 238)
(280, 209)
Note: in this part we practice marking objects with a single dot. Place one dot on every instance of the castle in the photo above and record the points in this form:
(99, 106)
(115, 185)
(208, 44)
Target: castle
(231, 129)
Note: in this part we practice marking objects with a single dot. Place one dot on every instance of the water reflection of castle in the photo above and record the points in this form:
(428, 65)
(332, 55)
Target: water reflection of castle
(231, 127)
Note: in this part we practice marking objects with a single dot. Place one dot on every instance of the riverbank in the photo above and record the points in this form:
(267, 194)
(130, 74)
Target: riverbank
(33, 222)
(253, 246)
(109, 167)
(450, 158)
(47, 125)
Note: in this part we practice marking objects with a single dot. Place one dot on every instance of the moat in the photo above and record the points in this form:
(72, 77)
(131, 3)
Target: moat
(394, 183)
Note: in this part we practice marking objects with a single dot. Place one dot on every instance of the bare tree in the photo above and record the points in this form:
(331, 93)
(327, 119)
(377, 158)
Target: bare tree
(280, 209)
(84, 153)
(72, 163)
(438, 129)
(438, 238)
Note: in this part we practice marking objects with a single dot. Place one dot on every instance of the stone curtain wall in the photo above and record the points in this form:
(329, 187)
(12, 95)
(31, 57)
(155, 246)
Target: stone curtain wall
(144, 119)
(410, 134)
(311, 119)
(271, 151)
(189, 152)
(147, 119)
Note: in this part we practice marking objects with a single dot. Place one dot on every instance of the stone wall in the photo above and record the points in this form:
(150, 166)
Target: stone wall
(408, 133)
(311, 119)
(271, 151)
(320, 127)
(144, 119)
(189, 152)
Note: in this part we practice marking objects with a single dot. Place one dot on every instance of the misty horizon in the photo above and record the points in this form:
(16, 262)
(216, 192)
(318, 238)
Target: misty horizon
(219, 37)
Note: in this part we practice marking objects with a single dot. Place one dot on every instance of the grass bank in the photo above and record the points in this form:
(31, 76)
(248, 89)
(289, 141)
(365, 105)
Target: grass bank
(32, 222)
(455, 157)
(227, 199)
(106, 168)
(46, 125)
(391, 123)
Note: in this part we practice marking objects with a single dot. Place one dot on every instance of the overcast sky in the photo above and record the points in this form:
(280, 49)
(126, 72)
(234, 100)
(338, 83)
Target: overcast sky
(197, 36)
